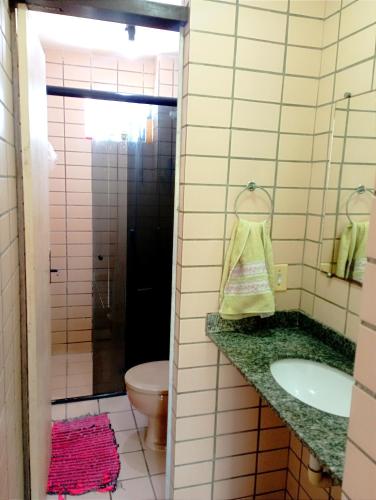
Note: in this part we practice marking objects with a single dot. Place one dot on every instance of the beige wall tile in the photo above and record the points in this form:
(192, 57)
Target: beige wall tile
(367, 311)
(255, 115)
(195, 451)
(211, 49)
(297, 120)
(301, 61)
(194, 427)
(300, 90)
(312, 8)
(240, 487)
(253, 144)
(304, 31)
(278, 5)
(291, 200)
(261, 24)
(201, 472)
(242, 171)
(191, 355)
(264, 56)
(200, 279)
(204, 198)
(236, 398)
(330, 314)
(257, 86)
(203, 170)
(358, 471)
(356, 79)
(203, 492)
(357, 47)
(293, 174)
(365, 368)
(357, 16)
(202, 253)
(236, 444)
(230, 467)
(197, 403)
(198, 378)
(208, 111)
(211, 16)
(207, 141)
(211, 81)
(229, 376)
(237, 420)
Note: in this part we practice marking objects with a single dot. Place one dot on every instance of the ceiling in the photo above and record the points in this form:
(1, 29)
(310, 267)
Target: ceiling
(89, 35)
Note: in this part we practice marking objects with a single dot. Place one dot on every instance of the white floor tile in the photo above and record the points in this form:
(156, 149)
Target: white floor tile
(134, 489)
(82, 408)
(122, 420)
(58, 412)
(112, 405)
(128, 441)
(90, 496)
(159, 486)
(141, 419)
(156, 461)
(132, 465)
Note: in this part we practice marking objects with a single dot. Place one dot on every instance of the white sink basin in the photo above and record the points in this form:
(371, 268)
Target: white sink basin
(316, 384)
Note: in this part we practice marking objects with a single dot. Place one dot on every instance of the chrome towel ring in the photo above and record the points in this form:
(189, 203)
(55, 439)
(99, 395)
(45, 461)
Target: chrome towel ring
(252, 186)
(361, 189)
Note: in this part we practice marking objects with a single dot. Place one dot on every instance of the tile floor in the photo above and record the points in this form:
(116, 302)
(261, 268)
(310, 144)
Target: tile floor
(142, 471)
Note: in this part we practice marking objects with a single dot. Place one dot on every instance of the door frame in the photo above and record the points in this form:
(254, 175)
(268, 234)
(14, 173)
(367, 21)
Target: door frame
(149, 14)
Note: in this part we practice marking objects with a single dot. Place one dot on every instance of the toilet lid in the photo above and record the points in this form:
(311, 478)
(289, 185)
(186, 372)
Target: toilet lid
(148, 377)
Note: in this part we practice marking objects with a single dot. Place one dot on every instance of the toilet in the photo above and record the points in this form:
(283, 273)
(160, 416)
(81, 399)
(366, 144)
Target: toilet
(147, 389)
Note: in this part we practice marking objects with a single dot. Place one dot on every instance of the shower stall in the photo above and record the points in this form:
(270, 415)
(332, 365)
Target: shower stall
(129, 206)
(133, 195)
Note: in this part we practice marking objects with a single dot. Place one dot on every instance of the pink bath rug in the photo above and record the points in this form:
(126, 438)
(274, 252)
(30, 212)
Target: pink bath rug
(84, 456)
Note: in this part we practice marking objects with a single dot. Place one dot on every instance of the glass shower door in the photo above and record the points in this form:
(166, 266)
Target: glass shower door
(133, 196)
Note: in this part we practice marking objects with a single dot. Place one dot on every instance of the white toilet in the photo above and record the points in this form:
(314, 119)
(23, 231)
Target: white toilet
(147, 389)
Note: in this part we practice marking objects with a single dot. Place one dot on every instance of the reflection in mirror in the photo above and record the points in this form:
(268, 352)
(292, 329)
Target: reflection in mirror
(350, 188)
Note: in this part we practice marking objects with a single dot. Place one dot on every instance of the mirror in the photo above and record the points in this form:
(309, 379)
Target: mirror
(350, 188)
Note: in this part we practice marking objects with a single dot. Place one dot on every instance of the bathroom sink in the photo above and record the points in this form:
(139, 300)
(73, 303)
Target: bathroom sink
(315, 384)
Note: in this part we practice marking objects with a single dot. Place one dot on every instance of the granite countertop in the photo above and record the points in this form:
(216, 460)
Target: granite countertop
(252, 344)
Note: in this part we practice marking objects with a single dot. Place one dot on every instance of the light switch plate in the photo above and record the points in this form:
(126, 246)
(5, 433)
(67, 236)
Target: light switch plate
(280, 277)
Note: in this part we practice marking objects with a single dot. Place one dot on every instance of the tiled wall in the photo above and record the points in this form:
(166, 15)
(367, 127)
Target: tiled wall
(148, 75)
(347, 65)
(298, 487)
(249, 97)
(259, 81)
(360, 465)
(11, 466)
(71, 202)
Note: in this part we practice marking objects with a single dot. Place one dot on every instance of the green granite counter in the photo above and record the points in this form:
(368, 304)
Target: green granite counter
(252, 344)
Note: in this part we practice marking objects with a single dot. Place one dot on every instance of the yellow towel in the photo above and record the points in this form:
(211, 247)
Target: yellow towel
(247, 279)
(351, 260)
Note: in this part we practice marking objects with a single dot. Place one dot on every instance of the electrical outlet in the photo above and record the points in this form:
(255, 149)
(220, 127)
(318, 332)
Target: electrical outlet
(280, 277)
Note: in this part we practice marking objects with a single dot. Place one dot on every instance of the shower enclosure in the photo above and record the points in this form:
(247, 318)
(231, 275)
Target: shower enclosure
(118, 201)
(133, 196)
